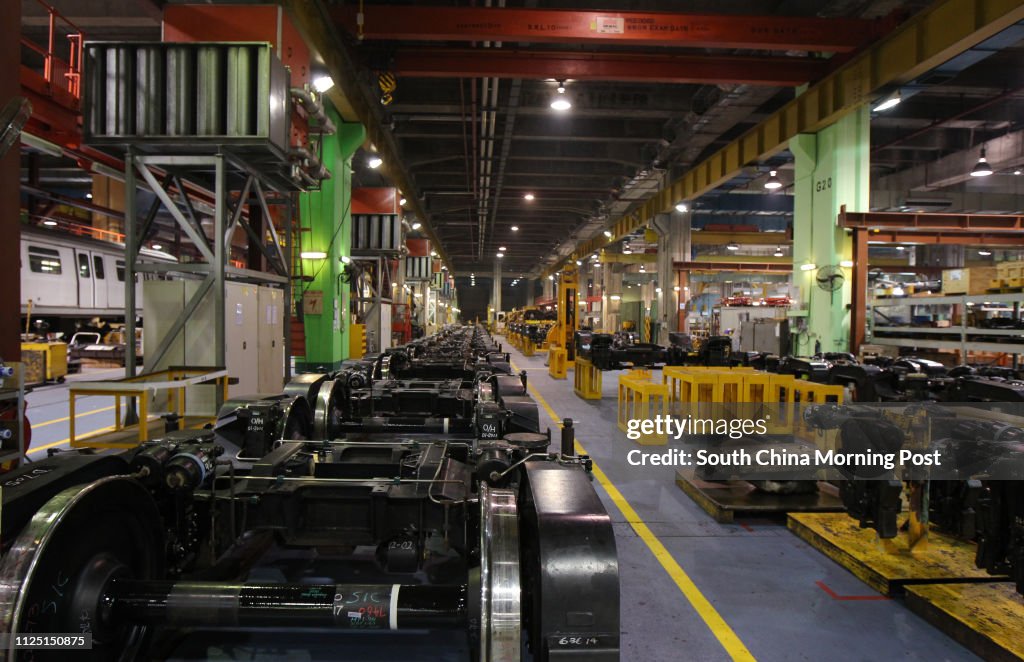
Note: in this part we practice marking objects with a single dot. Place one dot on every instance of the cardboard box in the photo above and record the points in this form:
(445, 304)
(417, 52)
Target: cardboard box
(973, 280)
(1010, 270)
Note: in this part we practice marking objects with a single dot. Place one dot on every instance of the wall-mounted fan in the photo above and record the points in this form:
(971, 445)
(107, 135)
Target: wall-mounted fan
(830, 278)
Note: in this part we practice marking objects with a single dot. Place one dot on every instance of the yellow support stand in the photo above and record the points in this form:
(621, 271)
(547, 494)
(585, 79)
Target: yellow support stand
(642, 399)
(558, 366)
(587, 382)
(528, 348)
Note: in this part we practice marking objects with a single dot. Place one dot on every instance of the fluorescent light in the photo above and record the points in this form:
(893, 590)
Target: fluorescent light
(733, 247)
(608, 233)
(681, 207)
(773, 182)
(502, 249)
(88, 196)
(514, 228)
(323, 83)
(901, 248)
(846, 264)
(778, 252)
(657, 290)
(626, 251)
(982, 167)
(433, 253)
(501, 255)
(675, 289)
(551, 277)
(50, 222)
(890, 102)
(157, 247)
(615, 297)
(984, 253)
(578, 263)
(810, 266)
(375, 162)
(529, 196)
(312, 255)
(402, 201)
(345, 259)
(417, 225)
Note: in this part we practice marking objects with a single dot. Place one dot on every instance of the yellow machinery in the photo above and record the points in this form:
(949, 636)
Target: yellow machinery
(45, 361)
(562, 348)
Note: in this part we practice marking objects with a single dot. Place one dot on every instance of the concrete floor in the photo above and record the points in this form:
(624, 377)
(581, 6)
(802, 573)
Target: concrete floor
(753, 578)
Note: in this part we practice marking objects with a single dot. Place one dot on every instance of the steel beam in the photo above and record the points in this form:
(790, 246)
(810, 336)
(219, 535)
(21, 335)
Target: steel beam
(937, 34)
(635, 67)
(947, 223)
(705, 238)
(432, 23)
(758, 267)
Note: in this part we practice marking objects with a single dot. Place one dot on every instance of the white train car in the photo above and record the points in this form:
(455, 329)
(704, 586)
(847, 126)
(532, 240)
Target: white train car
(75, 278)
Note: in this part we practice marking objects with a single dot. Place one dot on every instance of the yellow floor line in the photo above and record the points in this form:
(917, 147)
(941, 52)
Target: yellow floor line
(66, 418)
(725, 635)
(65, 441)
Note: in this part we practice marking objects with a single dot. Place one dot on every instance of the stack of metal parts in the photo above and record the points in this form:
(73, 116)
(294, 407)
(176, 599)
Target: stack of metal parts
(349, 516)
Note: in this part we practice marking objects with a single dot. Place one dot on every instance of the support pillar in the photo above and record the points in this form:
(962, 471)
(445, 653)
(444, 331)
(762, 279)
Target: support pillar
(612, 286)
(832, 170)
(326, 214)
(496, 289)
(548, 289)
(673, 246)
(531, 285)
(10, 182)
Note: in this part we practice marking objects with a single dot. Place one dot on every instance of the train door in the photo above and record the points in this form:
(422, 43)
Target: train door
(48, 276)
(85, 284)
(99, 277)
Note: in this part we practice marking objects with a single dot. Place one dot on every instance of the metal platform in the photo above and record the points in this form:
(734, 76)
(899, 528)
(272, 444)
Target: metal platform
(945, 560)
(727, 499)
(987, 618)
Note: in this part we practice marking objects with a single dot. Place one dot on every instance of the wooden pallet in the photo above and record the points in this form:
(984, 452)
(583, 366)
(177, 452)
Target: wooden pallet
(727, 500)
(945, 560)
(987, 618)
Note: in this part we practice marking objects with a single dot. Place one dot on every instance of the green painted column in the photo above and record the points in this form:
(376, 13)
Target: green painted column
(832, 170)
(326, 222)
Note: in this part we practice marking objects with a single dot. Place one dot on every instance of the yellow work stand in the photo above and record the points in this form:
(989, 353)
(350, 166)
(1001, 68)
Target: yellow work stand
(642, 399)
(587, 382)
(558, 363)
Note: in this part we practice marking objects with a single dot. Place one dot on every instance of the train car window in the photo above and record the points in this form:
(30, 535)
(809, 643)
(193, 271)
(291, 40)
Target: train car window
(97, 266)
(44, 260)
(120, 270)
(83, 265)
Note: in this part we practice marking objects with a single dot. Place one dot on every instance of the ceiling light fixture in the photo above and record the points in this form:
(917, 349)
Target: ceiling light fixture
(88, 196)
(323, 83)
(157, 247)
(417, 225)
(501, 255)
(1017, 171)
(615, 297)
(402, 201)
(515, 228)
(50, 222)
(676, 288)
(810, 266)
(502, 249)
(681, 207)
(561, 103)
(890, 102)
(901, 248)
(578, 263)
(345, 259)
(984, 253)
(529, 197)
(778, 251)
(374, 162)
(312, 255)
(846, 264)
(773, 182)
(982, 167)
(733, 247)
(433, 253)
(657, 290)
(608, 233)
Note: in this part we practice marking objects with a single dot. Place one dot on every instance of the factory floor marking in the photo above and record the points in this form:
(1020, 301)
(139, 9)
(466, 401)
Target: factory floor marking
(725, 635)
(66, 418)
(64, 441)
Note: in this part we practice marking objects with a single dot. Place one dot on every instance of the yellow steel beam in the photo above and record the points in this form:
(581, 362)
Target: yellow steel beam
(634, 258)
(744, 259)
(704, 238)
(355, 104)
(935, 35)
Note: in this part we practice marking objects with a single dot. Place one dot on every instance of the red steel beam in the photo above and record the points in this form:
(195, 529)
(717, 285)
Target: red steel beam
(932, 222)
(416, 23)
(506, 63)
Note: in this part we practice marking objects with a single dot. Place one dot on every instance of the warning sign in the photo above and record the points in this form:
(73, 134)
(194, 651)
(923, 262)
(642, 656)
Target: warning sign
(608, 25)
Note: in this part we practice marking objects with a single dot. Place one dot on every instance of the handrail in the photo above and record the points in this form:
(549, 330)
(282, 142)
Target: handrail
(71, 69)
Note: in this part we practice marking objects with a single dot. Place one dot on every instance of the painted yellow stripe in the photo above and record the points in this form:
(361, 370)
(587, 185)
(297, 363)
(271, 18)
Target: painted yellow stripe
(68, 440)
(78, 415)
(725, 635)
